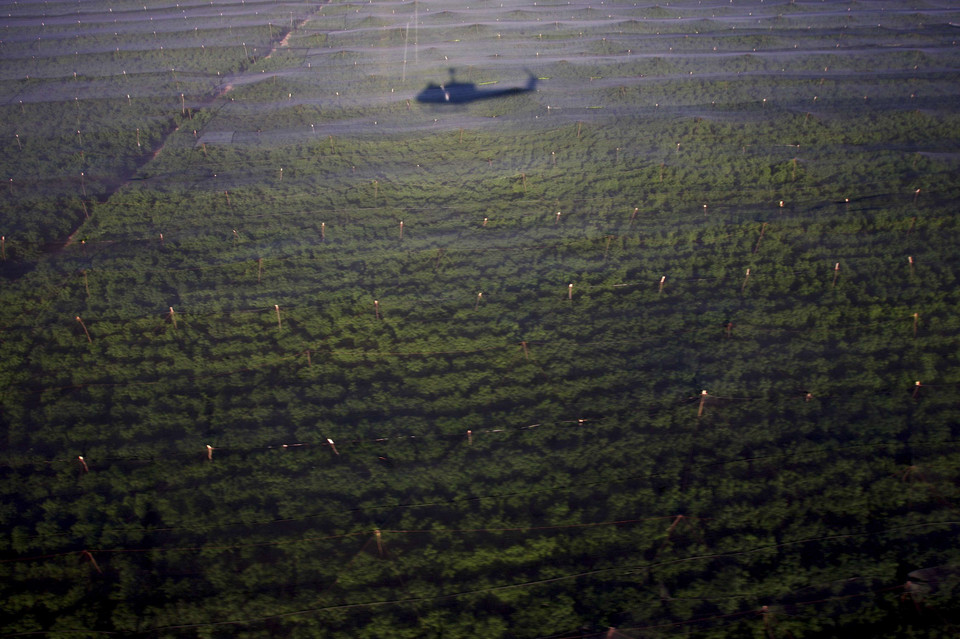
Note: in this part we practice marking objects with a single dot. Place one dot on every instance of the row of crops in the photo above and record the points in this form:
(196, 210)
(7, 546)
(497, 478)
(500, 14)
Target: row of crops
(668, 345)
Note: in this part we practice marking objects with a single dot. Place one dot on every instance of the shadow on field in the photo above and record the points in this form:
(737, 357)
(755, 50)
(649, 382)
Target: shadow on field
(455, 92)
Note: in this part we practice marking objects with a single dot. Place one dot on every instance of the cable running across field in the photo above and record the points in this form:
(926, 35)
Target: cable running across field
(568, 487)
(452, 531)
(360, 353)
(539, 582)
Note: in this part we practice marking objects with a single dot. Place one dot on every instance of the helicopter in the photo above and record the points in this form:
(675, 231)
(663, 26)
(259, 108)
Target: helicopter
(462, 92)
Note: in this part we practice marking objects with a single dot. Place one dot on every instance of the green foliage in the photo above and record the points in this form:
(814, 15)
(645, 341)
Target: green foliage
(239, 399)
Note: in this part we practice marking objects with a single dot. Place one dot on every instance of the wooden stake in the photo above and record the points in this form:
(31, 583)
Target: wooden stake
(916, 321)
(570, 291)
(333, 446)
(3, 247)
(765, 613)
(910, 261)
(484, 222)
(279, 325)
(209, 452)
(173, 318)
(401, 229)
(87, 333)
(477, 305)
(763, 229)
(526, 353)
(836, 273)
(557, 220)
(376, 309)
(606, 249)
(916, 389)
(633, 216)
(745, 279)
(470, 437)
(323, 231)
(88, 555)
(676, 520)
(729, 329)
(703, 400)
(662, 280)
(83, 463)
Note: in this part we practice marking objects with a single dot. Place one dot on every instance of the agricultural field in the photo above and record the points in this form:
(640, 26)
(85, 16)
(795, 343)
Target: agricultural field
(669, 345)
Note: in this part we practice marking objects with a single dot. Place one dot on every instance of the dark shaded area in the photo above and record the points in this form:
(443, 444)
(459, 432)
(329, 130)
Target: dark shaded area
(455, 92)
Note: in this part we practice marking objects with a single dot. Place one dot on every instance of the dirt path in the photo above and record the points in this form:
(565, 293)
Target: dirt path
(285, 41)
(227, 88)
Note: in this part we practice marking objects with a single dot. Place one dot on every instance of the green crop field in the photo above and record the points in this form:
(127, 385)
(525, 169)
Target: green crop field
(669, 345)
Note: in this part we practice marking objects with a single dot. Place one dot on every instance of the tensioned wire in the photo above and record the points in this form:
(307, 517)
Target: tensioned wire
(569, 487)
(593, 245)
(590, 573)
(322, 352)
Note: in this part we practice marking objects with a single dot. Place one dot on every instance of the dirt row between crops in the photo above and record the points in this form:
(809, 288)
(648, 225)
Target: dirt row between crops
(227, 88)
